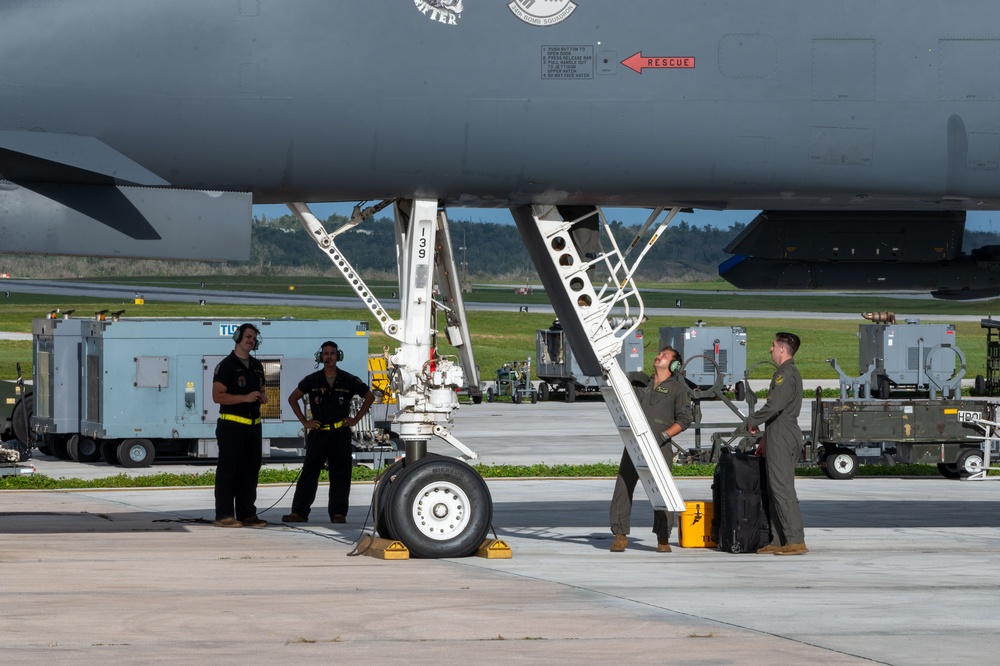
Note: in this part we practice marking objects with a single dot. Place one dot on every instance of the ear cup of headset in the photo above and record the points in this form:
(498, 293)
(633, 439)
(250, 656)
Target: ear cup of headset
(674, 366)
(238, 335)
(319, 355)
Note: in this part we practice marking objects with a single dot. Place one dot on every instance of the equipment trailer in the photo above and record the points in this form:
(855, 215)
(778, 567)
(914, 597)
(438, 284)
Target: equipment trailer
(848, 431)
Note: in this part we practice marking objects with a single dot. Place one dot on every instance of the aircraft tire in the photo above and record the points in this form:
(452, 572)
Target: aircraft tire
(439, 507)
(379, 499)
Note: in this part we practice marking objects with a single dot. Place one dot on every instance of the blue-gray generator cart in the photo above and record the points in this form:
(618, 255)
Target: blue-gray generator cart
(145, 385)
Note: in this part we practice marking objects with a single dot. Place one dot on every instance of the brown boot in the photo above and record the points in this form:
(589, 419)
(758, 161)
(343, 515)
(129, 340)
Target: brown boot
(769, 549)
(662, 546)
(621, 542)
(792, 549)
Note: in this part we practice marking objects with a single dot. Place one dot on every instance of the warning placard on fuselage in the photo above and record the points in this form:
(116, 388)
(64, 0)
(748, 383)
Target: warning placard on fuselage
(567, 62)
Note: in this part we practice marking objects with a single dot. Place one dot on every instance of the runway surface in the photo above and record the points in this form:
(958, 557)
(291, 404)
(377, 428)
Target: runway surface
(900, 571)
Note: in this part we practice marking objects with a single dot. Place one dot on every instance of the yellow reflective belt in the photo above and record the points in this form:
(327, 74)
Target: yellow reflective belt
(239, 419)
(331, 426)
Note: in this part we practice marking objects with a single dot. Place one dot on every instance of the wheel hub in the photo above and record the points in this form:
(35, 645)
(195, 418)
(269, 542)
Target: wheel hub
(441, 511)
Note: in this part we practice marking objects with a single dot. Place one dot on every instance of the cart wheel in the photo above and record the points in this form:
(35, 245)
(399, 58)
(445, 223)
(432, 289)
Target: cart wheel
(969, 462)
(109, 451)
(490, 397)
(980, 385)
(741, 391)
(58, 448)
(571, 392)
(948, 471)
(883, 387)
(842, 464)
(534, 397)
(20, 418)
(543, 391)
(136, 453)
(71, 447)
(517, 396)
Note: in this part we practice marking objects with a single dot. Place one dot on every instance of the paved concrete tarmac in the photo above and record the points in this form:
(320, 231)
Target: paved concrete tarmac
(900, 571)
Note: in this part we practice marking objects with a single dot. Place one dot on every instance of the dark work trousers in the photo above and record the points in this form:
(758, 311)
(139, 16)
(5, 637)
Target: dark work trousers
(238, 470)
(781, 453)
(334, 448)
(621, 500)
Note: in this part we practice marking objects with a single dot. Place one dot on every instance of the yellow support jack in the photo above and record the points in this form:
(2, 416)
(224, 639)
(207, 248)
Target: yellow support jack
(385, 549)
(494, 549)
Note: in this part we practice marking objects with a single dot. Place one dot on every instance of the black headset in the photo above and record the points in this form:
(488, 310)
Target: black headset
(238, 335)
(329, 343)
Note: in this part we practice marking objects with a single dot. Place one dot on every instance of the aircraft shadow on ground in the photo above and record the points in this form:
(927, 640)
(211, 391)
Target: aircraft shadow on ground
(815, 514)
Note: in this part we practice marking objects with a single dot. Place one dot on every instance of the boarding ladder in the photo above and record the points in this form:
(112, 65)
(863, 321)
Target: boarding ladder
(565, 245)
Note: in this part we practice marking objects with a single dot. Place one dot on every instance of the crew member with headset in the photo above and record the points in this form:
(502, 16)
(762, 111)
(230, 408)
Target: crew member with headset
(238, 389)
(667, 408)
(330, 391)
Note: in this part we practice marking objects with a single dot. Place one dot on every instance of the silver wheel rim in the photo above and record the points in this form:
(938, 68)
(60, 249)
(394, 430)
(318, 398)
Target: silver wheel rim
(441, 511)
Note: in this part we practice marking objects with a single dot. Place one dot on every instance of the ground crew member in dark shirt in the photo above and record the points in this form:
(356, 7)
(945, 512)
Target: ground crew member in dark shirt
(330, 391)
(238, 389)
(783, 441)
(667, 407)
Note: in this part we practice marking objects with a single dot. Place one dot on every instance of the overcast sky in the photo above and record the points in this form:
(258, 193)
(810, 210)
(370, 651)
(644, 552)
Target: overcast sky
(721, 219)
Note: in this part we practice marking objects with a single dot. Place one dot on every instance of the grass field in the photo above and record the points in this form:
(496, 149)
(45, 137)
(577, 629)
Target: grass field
(499, 337)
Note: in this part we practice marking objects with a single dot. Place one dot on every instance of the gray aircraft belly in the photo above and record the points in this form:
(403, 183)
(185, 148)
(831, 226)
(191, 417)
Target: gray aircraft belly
(776, 104)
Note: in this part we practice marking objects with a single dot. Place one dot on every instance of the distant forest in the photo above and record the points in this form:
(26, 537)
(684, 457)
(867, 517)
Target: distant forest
(280, 246)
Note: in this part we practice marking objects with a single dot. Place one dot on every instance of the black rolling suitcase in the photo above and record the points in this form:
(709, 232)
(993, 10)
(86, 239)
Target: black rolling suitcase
(739, 499)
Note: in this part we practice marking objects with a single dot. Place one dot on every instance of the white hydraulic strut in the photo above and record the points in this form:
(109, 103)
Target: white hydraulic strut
(425, 383)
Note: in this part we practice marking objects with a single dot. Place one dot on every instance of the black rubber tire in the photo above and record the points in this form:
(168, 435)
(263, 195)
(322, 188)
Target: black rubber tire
(477, 399)
(380, 497)
(20, 418)
(884, 390)
(44, 445)
(109, 452)
(71, 447)
(980, 385)
(133, 453)
(534, 397)
(543, 391)
(969, 462)
(87, 450)
(439, 507)
(740, 390)
(58, 448)
(516, 397)
(842, 464)
(490, 397)
(948, 471)
(571, 392)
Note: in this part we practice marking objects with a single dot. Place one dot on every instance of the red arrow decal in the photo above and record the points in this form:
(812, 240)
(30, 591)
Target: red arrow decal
(639, 62)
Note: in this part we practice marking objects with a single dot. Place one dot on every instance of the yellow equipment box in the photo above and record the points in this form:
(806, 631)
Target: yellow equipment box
(696, 525)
